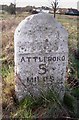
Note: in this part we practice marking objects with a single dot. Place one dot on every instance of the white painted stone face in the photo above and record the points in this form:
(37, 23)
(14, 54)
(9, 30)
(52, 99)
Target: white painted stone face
(41, 56)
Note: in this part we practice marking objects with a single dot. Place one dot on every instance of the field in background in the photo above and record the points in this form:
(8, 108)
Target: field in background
(11, 107)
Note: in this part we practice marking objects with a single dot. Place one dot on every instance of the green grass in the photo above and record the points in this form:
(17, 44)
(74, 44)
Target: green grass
(31, 107)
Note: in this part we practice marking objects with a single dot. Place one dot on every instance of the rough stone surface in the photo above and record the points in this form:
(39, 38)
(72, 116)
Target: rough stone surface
(41, 56)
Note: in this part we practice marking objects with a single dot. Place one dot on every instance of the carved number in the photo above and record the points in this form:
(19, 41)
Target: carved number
(42, 68)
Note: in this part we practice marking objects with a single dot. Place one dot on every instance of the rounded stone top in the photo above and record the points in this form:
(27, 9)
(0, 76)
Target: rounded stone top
(40, 33)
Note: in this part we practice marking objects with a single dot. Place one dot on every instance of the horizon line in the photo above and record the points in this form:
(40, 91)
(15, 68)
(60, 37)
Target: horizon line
(37, 6)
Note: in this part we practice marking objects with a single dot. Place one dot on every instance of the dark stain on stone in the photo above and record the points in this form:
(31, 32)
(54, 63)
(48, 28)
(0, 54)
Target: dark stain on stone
(46, 40)
(54, 68)
(18, 30)
(22, 48)
(44, 47)
(50, 50)
(29, 30)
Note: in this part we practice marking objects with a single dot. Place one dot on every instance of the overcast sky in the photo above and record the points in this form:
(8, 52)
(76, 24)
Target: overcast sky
(62, 3)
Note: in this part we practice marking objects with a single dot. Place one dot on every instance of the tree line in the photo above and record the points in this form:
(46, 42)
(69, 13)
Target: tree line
(12, 7)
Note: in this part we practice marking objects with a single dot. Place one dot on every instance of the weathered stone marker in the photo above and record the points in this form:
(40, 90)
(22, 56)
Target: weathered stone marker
(41, 56)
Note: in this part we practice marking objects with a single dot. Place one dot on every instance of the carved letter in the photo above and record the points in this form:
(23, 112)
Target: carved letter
(22, 59)
(35, 58)
(43, 68)
(28, 59)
